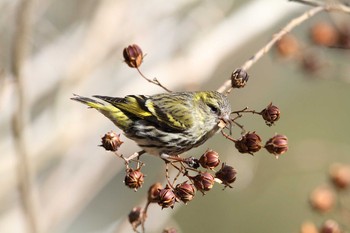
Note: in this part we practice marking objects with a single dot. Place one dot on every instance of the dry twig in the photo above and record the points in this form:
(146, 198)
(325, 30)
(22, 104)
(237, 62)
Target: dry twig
(319, 7)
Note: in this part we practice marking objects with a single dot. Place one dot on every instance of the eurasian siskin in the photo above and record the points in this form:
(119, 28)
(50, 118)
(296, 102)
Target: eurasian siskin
(166, 124)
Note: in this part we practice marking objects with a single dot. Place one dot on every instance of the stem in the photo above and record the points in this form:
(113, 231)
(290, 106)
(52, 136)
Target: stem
(131, 157)
(154, 81)
(24, 173)
(177, 176)
(226, 87)
(228, 136)
(318, 7)
(328, 6)
(167, 173)
(245, 110)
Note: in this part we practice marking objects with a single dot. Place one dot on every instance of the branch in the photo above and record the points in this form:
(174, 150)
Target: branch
(327, 5)
(319, 7)
(24, 175)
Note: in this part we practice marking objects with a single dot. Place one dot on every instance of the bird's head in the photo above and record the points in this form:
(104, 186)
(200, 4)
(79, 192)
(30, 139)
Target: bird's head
(218, 105)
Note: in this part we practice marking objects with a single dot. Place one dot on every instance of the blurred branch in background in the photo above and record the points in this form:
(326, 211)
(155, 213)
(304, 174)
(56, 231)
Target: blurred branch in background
(318, 7)
(25, 173)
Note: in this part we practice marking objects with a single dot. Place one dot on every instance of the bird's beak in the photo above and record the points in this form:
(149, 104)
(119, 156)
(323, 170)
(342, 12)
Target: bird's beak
(225, 121)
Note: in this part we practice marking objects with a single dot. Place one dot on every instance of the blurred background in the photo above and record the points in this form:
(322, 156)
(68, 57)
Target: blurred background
(51, 166)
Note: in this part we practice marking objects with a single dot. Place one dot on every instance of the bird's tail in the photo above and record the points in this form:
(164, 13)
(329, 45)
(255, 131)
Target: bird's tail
(89, 102)
(113, 113)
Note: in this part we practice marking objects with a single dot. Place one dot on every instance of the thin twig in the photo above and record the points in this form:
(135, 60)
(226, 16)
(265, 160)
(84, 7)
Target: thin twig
(24, 173)
(228, 136)
(329, 6)
(177, 176)
(226, 87)
(154, 81)
(245, 110)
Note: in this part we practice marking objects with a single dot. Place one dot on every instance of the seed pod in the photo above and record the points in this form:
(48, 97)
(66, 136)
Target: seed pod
(324, 34)
(133, 56)
(330, 226)
(226, 174)
(134, 178)
(249, 143)
(340, 175)
(287, 46)
(169, 230)
(185, 192)
(167, 198)
(210, 159)
(277, 145)
(111, 141)
(239, 78)
(153, 193)
(203, 182)
(322, 199)
(270, 114)
(308, 227)
(135, 217)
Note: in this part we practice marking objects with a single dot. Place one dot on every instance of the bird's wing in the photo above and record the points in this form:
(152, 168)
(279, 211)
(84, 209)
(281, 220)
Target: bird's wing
(175, 111)
(130, 105)
(169, 114)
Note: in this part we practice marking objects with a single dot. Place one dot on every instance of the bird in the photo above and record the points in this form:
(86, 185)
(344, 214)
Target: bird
(166, 124)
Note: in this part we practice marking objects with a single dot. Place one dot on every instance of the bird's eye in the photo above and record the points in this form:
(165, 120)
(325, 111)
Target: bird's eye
(214, 109)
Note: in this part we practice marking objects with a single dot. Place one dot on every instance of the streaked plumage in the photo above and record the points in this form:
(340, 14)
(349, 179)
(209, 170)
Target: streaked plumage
(169, 123)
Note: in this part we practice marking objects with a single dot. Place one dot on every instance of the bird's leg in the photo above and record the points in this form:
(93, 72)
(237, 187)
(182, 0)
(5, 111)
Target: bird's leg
(169, 158)
(135, 155)
(167, 176)
(190, 161)
(178, 174)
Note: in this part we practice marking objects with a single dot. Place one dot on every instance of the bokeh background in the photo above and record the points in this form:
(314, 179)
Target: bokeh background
(75, 46)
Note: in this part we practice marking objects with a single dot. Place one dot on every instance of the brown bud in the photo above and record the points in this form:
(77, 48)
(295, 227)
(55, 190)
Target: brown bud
(239, 78)
(322, 199)
(330, 226)
(203, 182)
(153, 193)
(287, 46)
(340, 175)
(324, 34)
(270, 114)
(308, 227)
(226, 174)
(277, 145)
(249, 143)
(136, 217)
(111, 141)
(134, 178)
(133, 56)
(344, 37)
(210, 159)
(311, 63)
(167, 197)
(169, 230)
(185, 192)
